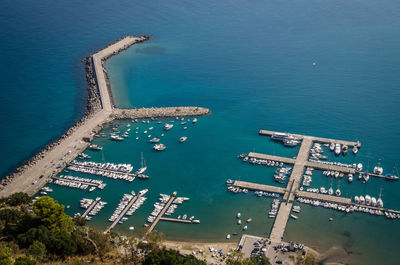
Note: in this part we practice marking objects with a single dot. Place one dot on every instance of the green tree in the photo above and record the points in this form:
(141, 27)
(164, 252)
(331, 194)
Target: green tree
(79, 220)
(37, 250)
(10, 215)
(24, 260)
(5, 253)
(236, 258)
(84, 247)
(61, 243)
(260, 260)
(40, 233)
(101, 241)
(18, 199)
(51, 213)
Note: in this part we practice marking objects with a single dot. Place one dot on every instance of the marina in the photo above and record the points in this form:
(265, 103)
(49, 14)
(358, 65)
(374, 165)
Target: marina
(313, 79)
(35, 174)
(126, 203)
(302, 164)
(157, 219)
(94, 203)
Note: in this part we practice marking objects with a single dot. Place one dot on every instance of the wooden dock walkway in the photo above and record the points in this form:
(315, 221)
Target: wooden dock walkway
(94, 203)
(153, 225)
(175, 220)
(261, 187)
(271, 157)
(129, 205)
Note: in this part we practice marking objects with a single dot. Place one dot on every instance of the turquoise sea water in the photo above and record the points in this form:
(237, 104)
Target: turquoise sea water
(251, 63)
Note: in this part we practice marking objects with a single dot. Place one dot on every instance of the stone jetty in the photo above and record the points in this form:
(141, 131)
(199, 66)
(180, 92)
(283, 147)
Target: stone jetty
(36, 172)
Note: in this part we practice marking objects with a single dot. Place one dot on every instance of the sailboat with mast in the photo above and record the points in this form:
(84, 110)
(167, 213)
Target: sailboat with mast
(142, 168)
(379, 202)
(392, 176)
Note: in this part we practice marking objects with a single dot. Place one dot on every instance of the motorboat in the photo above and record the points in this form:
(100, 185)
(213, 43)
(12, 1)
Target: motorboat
(168, 126)
(239, 222)
(95, 147)
(194, 120)
(290, 142)
(338, 149)
(391, 177)
(228, 236)
(365, 176)
(294, 216)
(367, 199)
(338, 192)
(249, 220)
(350, 178)
(238, 215)
(373, 201)
(332, 147)
(245, 228)
(359, 167)
(330, 191)
(182, 139)
(355, 150)
(229, 181)
(356, 199)
(159, 147)
(143, 192)
(116, 137)
(378, 170)
(345, 148)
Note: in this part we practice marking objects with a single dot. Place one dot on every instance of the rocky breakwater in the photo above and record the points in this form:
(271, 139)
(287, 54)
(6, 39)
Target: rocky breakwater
(159, 112)
(129, 41)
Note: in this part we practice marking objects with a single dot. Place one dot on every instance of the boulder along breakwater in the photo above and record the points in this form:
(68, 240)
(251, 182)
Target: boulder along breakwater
(100, 109)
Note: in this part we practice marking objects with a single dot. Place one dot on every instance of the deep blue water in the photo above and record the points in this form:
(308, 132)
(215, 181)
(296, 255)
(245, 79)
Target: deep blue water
(250, 62)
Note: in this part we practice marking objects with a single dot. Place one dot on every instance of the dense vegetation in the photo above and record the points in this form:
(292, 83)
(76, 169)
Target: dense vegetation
(42, 233)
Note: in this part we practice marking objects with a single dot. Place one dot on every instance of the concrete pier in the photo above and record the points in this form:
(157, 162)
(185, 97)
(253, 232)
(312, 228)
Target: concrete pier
(35, 174)
(175, 220)
(315, 139)
(271, 157)
(261, 187)
(323, 197)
